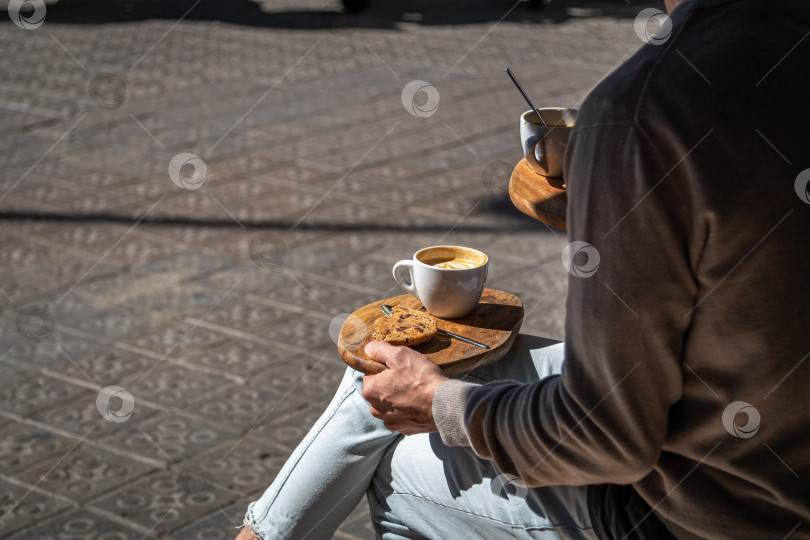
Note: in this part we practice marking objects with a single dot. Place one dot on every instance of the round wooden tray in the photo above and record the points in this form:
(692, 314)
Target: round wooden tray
(495, 322)
(538, 196)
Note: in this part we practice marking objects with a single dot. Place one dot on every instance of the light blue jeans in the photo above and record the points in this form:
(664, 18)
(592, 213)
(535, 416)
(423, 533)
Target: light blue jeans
(416, 486)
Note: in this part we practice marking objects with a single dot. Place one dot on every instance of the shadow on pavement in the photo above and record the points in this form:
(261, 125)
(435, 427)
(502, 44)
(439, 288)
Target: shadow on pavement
(380, 14)
(499, 206)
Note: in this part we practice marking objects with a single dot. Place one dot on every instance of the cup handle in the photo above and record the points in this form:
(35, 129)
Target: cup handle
(538, 152)
(536, 149)
(407, 287)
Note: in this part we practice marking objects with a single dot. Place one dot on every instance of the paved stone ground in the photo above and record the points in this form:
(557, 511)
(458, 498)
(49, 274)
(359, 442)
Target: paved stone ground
(211, 305)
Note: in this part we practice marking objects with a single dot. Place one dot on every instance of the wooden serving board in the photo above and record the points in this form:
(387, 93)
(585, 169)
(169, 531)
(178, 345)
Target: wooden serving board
(538, 196)
(495, 322)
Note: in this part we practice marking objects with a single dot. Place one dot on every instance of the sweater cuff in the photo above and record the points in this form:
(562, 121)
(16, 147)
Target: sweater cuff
(449, 404)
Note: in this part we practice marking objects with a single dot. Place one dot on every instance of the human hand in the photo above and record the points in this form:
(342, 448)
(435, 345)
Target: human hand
(402, 395)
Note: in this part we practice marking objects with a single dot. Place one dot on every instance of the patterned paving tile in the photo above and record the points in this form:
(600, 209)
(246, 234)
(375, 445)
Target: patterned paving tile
(39, 343)
(243, 409)
(321, 296)
(172, 384)
(162, 501)
(104, 366)
(155, 276)
(118, 243)
(240, 313)
(289, 429)
(244, 465)
(35, 393)
(80, 524)
(167, 437)
(119, 322)
(238, 356)
(83, 473)
(21, 506)
(178, 339)
(221, 524)
(10, 372)
(309, 378)
(22, 445)
(307, 331)
(19, 254)
(24, 287)
(81, 416)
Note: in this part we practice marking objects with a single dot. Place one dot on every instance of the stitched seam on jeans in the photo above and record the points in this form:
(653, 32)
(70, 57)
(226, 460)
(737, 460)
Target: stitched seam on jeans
(515, 525)
(345, 396)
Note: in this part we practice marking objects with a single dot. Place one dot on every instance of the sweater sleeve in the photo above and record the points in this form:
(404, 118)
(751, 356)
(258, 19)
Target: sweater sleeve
(605, 418)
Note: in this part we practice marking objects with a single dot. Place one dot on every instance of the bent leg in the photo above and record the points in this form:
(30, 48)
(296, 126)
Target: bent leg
(327, 474)
(530, 359)
(424, 489)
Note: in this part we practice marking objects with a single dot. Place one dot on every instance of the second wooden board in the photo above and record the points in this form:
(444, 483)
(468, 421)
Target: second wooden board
(541, 198)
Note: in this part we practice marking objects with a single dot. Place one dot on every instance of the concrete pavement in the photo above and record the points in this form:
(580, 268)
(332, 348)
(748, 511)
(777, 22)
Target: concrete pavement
(191, 193)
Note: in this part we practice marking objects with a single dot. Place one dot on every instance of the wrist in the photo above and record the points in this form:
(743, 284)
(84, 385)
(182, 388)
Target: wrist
(431, 392)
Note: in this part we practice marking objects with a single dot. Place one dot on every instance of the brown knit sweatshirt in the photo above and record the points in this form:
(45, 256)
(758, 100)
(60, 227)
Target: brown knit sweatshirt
(687, 369)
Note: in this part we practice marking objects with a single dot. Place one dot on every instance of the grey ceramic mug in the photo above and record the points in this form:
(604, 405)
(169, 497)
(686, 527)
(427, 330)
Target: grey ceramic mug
(544, 147)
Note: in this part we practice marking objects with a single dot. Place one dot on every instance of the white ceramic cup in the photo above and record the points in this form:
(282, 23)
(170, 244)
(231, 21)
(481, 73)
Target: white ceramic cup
(451, 289)
(544, 147)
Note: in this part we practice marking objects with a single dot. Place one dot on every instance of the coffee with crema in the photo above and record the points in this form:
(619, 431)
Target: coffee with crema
(451, 257)
(452, 263)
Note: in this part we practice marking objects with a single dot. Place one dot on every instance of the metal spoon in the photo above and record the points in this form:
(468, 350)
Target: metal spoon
(520, 89)
(387, 310)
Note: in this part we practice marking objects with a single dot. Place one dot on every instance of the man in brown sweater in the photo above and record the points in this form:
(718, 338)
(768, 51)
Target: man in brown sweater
(685, 370)
(682, 399)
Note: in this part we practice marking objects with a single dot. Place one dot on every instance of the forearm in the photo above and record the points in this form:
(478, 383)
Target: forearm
(541, 434)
